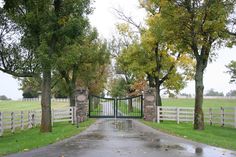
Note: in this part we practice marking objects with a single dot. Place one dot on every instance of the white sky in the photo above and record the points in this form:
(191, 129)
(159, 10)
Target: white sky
(104, 20)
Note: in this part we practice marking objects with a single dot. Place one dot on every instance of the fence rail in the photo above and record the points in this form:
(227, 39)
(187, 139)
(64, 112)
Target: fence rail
(28, 119)
(223, 115)
(39, 99)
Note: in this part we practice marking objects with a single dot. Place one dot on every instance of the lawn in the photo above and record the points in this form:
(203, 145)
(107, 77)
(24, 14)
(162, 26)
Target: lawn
(206, 103)
(32, 138)
(28, 105)
(123, 108)
(96, 111)
(216, 136)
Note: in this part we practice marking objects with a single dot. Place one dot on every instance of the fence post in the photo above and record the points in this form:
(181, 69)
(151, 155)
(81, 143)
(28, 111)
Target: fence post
(235, 117)
(177, 115)
(1, 124)
(53, 116)
(210, 115)
(158, 114)
(73, 115)
(222, 117)
(22, 120)
(33, 119)
(12, 122)
(29, 120)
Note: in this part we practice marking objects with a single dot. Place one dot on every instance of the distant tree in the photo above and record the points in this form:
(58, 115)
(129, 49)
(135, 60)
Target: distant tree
(186, 95)
(212, 92)
(231, 93)
(118, 87)
(30, 93)
(3, 97)
(232, 71)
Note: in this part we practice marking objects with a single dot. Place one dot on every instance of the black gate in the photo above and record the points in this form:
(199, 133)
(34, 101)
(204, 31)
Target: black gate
(131, 107)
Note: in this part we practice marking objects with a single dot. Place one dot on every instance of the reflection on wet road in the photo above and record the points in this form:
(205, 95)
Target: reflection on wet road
(128, 138)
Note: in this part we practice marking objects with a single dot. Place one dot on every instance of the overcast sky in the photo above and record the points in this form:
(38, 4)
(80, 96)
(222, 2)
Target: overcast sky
(104, 20)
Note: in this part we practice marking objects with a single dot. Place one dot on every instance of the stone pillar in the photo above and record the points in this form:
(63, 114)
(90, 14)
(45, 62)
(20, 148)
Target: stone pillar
(149, 111)
(81, 101)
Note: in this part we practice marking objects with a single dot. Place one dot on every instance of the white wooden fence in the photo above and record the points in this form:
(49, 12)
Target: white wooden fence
(53, 99)
(28, 119)
(222, 116)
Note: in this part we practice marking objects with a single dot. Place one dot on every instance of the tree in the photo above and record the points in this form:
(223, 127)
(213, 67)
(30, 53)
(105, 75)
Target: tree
(118, 88)
(47, 28)
(195, 26)
(31, 86)
(84, 64)
(231, 93)
(212, 92)
(3, 97)
(153, 59)
(232, 71)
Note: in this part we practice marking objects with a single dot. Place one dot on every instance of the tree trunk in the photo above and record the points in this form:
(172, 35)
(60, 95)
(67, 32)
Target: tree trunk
(46, 124)
(199, 88)
(158, 91)
(72, 93)
(72, 99)
(130, 105)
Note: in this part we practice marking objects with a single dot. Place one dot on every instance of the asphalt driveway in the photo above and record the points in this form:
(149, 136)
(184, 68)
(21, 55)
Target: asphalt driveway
(127, 138)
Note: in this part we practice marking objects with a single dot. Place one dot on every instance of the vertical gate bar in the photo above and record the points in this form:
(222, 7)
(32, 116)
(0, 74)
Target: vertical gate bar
(109, 108)
(89, 106)
(141, 106)
(115, 108)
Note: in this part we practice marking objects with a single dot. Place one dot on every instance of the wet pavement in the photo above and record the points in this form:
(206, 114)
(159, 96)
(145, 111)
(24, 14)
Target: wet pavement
(127, 138)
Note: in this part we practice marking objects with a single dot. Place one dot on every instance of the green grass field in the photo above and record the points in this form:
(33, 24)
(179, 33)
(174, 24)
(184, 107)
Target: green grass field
(26, 105)
(212, 135)
(32, 138)
(206, 103)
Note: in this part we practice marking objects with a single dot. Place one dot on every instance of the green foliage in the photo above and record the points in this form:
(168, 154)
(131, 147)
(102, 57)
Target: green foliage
(232, 71)
(30, 93)
(216, 135)
(30, 86)
(153, 59)
(22, 140)
(118, 88)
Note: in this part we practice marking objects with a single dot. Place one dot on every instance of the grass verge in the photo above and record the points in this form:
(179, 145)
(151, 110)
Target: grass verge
(212, 135)
(32, 138)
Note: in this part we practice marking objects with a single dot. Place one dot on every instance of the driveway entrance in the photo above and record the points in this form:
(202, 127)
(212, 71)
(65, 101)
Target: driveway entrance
(131, 107)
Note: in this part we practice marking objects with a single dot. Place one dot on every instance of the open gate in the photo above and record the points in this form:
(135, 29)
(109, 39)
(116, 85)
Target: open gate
(131, 107)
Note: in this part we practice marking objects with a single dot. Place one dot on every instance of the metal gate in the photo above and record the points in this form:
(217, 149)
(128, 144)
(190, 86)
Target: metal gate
(131, 107)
